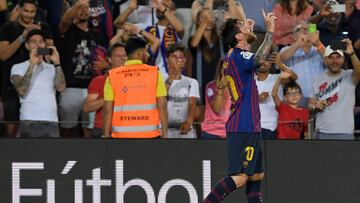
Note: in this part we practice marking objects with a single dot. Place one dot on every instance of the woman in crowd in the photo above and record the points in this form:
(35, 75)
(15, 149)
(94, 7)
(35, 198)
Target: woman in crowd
(217, 107)
(289, 13)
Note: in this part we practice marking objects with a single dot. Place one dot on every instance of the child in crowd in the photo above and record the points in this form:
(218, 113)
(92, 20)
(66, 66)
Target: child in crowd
(292, 120)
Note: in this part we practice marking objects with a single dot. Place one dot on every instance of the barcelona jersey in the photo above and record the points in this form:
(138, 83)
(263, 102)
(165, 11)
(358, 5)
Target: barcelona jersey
(239, 69)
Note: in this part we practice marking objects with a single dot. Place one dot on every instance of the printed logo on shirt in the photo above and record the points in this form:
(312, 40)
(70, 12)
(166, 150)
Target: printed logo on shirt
(246, 54)
(297, 125)
(329, 92)
(210, 92)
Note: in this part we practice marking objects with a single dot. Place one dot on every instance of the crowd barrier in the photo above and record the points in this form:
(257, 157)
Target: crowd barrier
(172, 171)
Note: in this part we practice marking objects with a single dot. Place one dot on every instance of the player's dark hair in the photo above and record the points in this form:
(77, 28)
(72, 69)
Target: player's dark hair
(229, 29)
(291, 85)
(133, 44)
(113, 47)
(22, 2)
(173, 48)
(34, 32)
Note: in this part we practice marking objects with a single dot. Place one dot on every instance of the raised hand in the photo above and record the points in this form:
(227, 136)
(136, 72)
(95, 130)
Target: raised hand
(208, 16)
(285, 74)
(269, 20)
(133, 4)
(54, 57)
(325, 10)
(35, 59)
(314, 37)
(349, 47)
(249, 24)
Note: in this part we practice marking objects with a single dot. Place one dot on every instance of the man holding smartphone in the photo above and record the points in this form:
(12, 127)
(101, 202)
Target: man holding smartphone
(36, 83)
(13, 51)
(304, 57)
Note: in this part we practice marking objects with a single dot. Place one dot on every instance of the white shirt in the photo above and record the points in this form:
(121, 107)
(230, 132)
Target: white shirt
(178, 105)
(269, 115)
(39, 102)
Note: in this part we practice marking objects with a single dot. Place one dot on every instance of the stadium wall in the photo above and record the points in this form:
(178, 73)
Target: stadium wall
(172, 171)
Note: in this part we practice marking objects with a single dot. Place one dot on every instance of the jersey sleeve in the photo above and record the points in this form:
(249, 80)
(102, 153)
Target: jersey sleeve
(108, 91)
(160, 86)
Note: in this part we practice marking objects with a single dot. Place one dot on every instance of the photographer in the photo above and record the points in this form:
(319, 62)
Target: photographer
(36, 83)
(304, 57)
(13, 51)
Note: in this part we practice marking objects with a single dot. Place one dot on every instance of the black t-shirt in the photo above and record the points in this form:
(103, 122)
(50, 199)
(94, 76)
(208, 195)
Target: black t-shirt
(10, 31)
(77, 52)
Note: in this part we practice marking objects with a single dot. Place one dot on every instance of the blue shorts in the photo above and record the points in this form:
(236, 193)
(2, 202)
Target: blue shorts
(244, 153)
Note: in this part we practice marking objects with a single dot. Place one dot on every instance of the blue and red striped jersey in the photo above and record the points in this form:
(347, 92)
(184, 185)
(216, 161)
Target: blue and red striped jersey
(240, 69)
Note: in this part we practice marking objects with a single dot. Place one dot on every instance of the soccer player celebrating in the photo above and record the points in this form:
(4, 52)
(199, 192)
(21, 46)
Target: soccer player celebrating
(243, 127)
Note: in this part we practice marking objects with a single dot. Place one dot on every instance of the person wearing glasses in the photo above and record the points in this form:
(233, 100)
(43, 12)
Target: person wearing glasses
(292, 119)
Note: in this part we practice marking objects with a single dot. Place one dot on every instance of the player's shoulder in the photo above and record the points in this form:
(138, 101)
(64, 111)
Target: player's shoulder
(244, 54)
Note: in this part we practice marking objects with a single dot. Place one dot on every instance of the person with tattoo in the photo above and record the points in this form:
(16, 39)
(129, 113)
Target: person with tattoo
(36, 83)
(13, 51)
(243, 130)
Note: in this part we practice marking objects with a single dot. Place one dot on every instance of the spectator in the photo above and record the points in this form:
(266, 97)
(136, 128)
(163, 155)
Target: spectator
(328, 25)
(217, 106)
(351, 22)
(183, 92)
(206, 49)
(334, 95)
(265, 83)
(36, 82)
(94, 101)
(304, 57)
(13, 51)
(79, 45)
(222, 8)
(129, 115)
(168, 28)
(39, 16)
(289, 13)
(292, 120)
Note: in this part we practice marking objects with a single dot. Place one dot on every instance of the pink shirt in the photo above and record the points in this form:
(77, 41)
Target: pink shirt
(358, 4)
(285, 24)
(215, 123)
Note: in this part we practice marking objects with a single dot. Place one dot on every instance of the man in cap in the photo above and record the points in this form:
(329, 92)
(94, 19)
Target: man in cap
(333, 94)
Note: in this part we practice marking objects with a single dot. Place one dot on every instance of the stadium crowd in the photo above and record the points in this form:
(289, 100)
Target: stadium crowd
(60, 74)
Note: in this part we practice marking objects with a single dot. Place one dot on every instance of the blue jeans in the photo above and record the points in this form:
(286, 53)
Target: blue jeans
(334, 136)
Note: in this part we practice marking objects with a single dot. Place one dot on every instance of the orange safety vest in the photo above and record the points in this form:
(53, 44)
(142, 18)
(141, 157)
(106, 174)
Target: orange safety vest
(135, 113)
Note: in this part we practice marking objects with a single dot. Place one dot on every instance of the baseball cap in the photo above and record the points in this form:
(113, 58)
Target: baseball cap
(329, 51)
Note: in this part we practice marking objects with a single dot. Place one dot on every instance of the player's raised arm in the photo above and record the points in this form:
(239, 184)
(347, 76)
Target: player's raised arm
(265, 47)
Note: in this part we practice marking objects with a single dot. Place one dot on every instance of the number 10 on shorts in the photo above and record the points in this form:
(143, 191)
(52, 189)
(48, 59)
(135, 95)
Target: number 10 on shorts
(249, 153)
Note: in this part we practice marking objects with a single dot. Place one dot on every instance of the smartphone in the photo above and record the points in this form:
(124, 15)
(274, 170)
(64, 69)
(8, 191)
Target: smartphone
(338, 8)
(312, 28)
(44, 51)
(337, 45)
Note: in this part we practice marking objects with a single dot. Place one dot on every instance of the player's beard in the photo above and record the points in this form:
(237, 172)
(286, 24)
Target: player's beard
(251, 37)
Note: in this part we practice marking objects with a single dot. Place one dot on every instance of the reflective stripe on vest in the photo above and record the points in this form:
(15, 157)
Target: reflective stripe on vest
(132, 129)
(135, 107)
